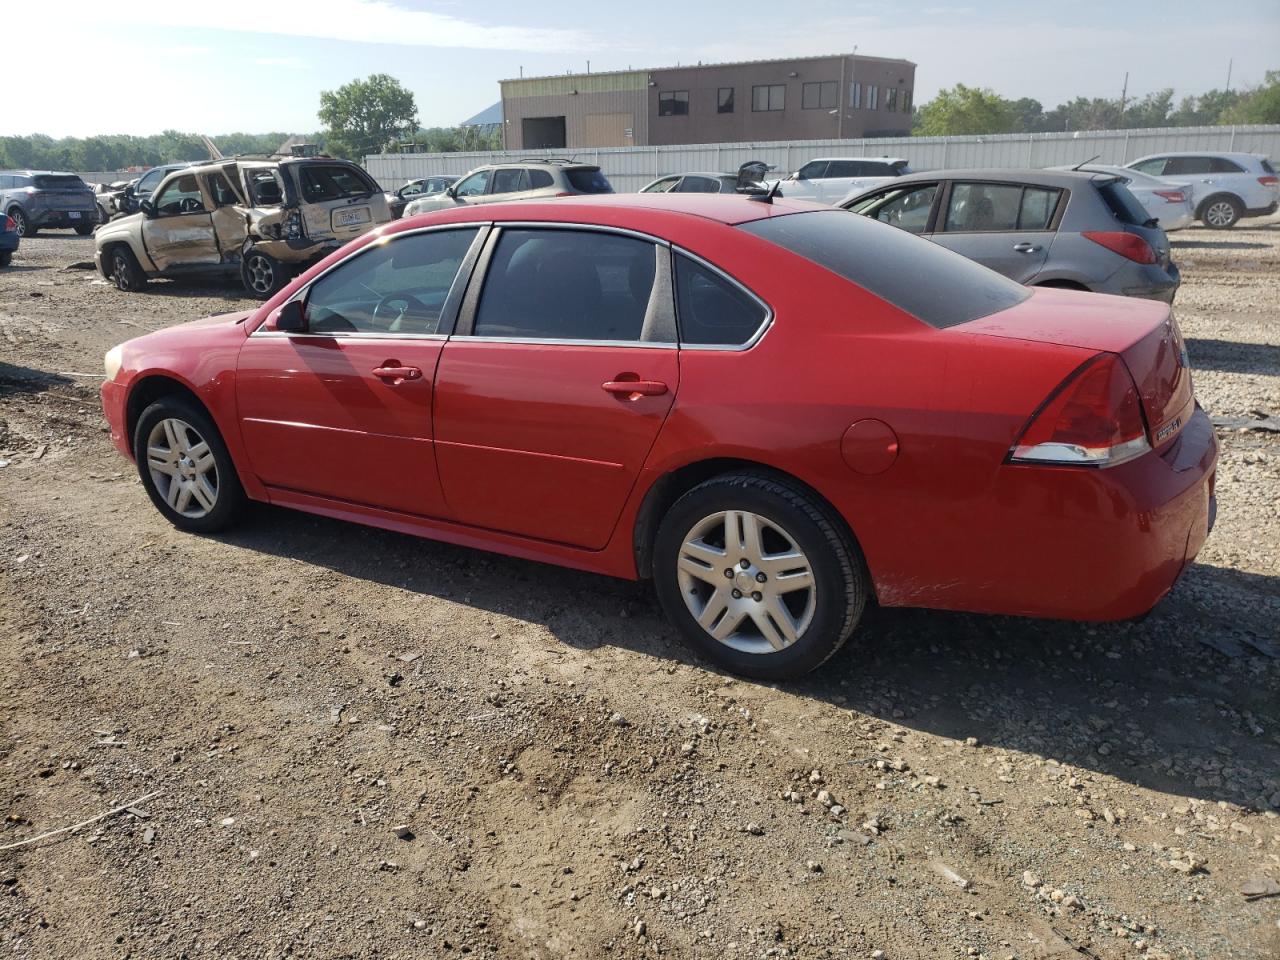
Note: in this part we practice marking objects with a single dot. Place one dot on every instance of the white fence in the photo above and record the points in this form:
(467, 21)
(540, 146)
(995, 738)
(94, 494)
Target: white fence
(630, 168)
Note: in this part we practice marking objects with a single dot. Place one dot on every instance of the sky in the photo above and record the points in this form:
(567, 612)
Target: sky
(221, 66)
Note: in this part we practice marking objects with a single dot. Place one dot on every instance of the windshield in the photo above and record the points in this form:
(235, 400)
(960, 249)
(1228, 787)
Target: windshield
(929, 282)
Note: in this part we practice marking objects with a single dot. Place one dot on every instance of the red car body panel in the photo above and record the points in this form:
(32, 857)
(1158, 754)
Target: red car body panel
(515, 447)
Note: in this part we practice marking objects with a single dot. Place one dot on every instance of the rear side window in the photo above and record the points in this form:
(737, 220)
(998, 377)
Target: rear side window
(320, 183)
(59, 181)
(588, 180)
(567, 285)
(1124, 206)
(981, 207)
(859, 168)
(933, 284)
(1223, 165)
(1188, 165)
(712, 310)
(510, 181)
(539, 179)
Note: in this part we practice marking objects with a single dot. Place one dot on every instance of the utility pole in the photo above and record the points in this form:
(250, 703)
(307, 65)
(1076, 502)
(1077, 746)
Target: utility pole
(1230, 64)
(1124, 91)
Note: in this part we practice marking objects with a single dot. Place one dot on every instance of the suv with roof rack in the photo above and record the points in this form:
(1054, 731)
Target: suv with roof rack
(266, 219)
(517, 180)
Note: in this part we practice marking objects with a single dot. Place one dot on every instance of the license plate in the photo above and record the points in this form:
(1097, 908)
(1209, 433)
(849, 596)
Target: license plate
(347, 218)
(74, 214)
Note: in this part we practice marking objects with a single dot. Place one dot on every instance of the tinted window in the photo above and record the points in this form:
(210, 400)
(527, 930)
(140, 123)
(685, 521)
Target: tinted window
(931, 283)
(822, 95)
(673, 103)
(1185, 165)
(724, 100)
(859, 168)
(539, 179)
(413, 189)
(148, 182)
(1154, 167)
(905, 207)
(980, 207)
(320, 183)
(813, 170)
(769, 97)
(588, 180)
(60, 181)
(510, 181)
(396, 287)
(182, 195)
(1124, 206)
(698, 185)
(711, 310)
(1223, 165)
(1266, 166)
(567, 285)
(661, 186)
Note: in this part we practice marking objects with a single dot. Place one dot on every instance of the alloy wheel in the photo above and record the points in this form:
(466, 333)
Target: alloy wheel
(1220, 214)
(746, 582)
(261, 274)
(182, 467)
(121, 271)
(19, 222)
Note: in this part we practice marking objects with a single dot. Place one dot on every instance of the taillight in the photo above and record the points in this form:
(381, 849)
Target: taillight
(563, 193)
(8, 224)
(1173, 196)
(1094, 419)
(1269, 181)
(1128, 245)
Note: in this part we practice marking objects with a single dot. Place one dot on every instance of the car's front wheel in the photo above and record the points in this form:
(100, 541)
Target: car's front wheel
(21, 223)
(185, 466)
(1221, 213)
(126, 274)
(759, 575)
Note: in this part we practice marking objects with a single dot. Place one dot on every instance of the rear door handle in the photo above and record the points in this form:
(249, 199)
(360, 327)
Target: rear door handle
(393, 373)
(634, 389)
(1026, 247)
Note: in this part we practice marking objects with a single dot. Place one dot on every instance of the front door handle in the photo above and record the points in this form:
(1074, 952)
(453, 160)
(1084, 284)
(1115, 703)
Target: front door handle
(393, 373)
(634, 389)
(1026, 247)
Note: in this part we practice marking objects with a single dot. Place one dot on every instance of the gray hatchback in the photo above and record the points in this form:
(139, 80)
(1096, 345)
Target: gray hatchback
(1043, 228)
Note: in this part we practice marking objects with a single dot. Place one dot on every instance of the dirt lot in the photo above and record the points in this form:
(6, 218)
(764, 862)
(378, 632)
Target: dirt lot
(575, 783)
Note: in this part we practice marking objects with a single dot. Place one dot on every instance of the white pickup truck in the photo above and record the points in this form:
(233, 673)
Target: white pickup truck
(832, 179)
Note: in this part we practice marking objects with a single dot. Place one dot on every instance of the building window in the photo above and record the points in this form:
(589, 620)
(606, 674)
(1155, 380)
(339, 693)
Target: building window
(873, 97)
(855, 96)
(816, 96)
(673, 103)
(891, 98)
(724, 100)
(906, 101)
(769, 97)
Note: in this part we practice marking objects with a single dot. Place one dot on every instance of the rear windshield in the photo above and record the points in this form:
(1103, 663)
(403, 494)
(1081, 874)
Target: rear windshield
(588, 180)
(332, 182)
(59, 181)
(1123, 205)
(929, 282)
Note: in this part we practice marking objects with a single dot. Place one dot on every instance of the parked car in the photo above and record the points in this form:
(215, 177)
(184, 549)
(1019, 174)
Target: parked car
(1224, 186)
(693, 183)
(264, 219)
(42, 199)
(1043, 228)
(564, 381)
(109, 197)
(127, 196)
(9, 239)
(833, 179)
(423, 187)
(520, 180)
(1168, 201)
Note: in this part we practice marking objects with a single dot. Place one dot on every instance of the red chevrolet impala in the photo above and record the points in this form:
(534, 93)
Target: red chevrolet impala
(778, 412)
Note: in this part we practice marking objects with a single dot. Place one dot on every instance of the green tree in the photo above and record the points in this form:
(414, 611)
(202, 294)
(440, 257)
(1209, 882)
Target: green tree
(366, 116)
(1028, 115)
(965, 110)
(1259, 105)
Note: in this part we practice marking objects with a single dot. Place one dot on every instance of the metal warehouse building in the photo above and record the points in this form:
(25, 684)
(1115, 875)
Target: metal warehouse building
(806, 98)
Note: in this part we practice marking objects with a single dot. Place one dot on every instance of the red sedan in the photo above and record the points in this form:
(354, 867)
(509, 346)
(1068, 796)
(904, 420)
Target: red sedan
(778, 412)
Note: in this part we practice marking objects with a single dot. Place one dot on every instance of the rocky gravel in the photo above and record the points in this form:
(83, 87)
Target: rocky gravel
(361, 744)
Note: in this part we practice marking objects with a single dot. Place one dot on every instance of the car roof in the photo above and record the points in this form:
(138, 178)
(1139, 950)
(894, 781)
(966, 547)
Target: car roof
(39, 173)
(880, 159)
(694, 173)
(1054, 178)
(1199, 153)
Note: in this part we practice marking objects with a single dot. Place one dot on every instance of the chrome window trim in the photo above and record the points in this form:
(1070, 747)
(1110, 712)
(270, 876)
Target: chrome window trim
(569, 225)
(643, 344)
(750, 342)
(483, 226)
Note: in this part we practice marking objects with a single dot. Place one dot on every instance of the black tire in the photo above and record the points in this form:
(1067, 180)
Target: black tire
(1222, 211)
(840, 583)
(84, 229)
(124, 269)
(263, 275)
(229, 499)
(6, 257)
(22, 223)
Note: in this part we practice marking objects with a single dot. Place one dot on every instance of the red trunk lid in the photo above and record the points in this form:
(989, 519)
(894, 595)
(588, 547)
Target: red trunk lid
(1143, 332)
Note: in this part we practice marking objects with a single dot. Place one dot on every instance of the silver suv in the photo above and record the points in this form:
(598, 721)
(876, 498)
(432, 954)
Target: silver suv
(517, 180)
(1224, 186)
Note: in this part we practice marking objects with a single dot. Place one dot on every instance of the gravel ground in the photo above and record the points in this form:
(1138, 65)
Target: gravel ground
(570, 781)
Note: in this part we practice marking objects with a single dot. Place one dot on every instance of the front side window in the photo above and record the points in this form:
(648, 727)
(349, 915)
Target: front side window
(661, 186)
(413, 189)
(321, 182)
(182, 195)
(724, 100)
(769, 97)
(149, 182)
(813, 170)
(698, 185)
(474, 185)
(567, 285)
(712, 310)
(906, 208)
(814, 96)
(673, 103)
(512, 180)
(395, 287)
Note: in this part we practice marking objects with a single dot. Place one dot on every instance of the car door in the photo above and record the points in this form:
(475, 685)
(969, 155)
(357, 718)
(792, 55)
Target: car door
(343, 410)
(178, 231)
(1008, 227)
(552, 392)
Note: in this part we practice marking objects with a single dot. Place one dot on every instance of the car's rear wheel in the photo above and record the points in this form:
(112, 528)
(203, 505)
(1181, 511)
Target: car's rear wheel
(6, 257)
(262, 274)
(126, 274)
(1221, 212)
(185, 466)
(758, 575)
(84, 229)
(21, 223)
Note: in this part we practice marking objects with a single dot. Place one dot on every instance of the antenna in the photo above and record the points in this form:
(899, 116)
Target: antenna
(1083, 162)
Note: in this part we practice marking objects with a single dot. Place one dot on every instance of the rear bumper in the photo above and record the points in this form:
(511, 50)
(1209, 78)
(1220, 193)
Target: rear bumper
(65, 218)
(1147, 281)
(1263, 211)
(113, 408)
(9, 240)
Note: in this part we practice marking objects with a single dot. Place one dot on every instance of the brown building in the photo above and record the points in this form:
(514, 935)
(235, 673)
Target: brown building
(805, 98)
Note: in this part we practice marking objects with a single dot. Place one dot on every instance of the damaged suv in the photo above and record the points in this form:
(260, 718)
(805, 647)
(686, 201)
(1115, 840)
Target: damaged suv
(265, 219)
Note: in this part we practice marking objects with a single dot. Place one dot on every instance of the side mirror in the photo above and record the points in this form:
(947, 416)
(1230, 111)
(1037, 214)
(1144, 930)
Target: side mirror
(451, 191)
(148, 208)
(292, 318)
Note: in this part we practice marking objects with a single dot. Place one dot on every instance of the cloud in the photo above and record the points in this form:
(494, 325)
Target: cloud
(290, 63)
(360, 21)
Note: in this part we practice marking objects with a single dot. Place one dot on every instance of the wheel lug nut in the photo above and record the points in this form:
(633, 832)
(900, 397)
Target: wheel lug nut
(761, 578)
(757, 596)
(744, 564)
(737, 594)
(729, 573)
